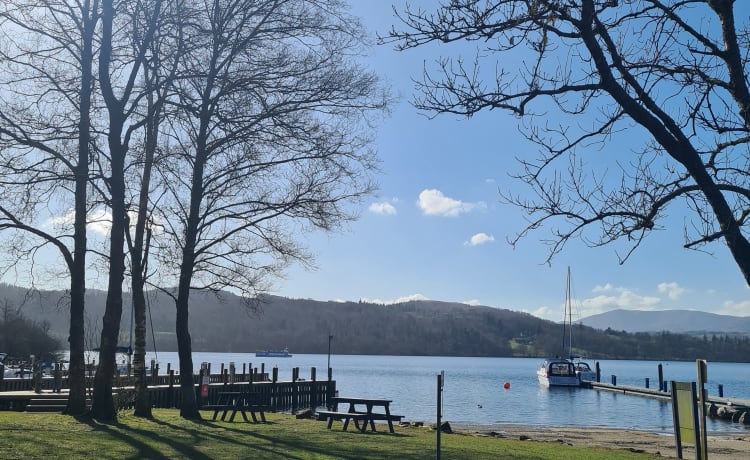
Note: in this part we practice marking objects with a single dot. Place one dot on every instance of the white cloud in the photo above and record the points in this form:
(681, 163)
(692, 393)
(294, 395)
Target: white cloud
(472, 302)
(99, 221)
(384, 208)
(480, 238)
(402, 299)
(546, 313)
(733, 308)
(433, 203)
(605, 288)
(673, 290)
(620, 298)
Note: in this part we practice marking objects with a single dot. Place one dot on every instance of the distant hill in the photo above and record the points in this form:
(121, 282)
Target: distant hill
(677, 321)
(228, 324)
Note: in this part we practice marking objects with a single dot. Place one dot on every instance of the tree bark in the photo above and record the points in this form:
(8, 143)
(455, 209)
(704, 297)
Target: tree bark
(77, 367)
(103, 407)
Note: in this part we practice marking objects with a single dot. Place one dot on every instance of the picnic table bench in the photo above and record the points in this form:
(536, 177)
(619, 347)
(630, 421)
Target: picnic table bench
(362, 417)
(242, 402)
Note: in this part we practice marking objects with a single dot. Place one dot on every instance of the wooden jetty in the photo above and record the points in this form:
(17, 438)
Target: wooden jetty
(728, 409)
(164, 391)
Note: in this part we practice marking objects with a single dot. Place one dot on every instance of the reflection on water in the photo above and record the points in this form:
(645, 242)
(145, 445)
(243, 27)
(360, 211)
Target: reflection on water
(474, 390)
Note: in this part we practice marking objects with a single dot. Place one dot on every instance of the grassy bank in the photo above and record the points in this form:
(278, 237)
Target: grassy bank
(27, 435)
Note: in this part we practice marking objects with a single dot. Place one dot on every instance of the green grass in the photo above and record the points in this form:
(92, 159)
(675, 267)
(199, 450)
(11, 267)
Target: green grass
(167, 436)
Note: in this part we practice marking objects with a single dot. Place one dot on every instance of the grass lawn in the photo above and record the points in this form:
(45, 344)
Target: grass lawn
(167, 436)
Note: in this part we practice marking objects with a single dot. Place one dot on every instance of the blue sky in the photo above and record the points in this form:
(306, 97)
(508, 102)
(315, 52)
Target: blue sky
(437, 230)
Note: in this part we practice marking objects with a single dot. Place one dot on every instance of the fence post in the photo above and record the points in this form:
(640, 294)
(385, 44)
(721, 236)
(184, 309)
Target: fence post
(275, 399)
(329, 389)
(313, 388)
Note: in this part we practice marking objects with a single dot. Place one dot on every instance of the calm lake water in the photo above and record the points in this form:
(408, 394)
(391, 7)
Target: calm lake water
(474, 388)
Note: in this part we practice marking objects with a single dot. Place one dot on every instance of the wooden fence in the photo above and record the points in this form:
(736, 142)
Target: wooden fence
(165, 390)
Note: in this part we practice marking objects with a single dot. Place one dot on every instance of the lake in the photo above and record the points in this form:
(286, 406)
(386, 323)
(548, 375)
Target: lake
(474, 392)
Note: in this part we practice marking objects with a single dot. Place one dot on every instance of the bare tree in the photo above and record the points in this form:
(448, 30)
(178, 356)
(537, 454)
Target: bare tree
(581, 74)
(268, 137)
(159, 71)
(45, 133)
(119, 72)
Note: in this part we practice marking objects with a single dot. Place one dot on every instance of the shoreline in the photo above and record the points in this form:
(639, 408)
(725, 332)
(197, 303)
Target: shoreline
(722, 446)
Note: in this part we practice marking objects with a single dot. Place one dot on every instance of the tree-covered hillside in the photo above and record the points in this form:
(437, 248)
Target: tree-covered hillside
(410, 328)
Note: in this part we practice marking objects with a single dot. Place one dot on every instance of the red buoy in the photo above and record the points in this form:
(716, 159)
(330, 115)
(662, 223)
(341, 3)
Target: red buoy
(507, 385)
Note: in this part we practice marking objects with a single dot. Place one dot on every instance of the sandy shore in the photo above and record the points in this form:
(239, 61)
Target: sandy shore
(729, 446)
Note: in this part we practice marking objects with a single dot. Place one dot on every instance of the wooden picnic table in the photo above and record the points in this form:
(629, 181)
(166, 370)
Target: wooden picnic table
(364, 415)
(239, 401)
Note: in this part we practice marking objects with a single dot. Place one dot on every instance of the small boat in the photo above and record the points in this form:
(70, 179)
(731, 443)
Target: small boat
(557, 372)
(273, 353)
(11, 371)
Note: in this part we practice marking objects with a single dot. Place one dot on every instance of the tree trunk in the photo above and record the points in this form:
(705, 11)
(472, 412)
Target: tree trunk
(142, 396)
(138, 257)
(189, 403)
(77, 367)
(103, 407)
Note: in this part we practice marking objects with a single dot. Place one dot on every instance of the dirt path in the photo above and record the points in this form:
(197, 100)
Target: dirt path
(730, 446)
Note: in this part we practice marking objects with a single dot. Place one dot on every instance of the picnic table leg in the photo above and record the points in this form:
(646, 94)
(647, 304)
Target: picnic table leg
(370, 418)
(388, 416)
(356, 421)
(330, 421)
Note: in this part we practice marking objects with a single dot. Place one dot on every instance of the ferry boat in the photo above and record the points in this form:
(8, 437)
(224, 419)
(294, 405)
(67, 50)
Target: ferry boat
(273, 353)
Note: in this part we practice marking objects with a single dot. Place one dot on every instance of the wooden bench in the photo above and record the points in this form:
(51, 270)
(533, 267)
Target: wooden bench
(345, 417)
(242, 403)
(387, 417)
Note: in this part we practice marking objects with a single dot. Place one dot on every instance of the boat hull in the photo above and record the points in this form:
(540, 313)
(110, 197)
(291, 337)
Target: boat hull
(557, 373)
(273, 354)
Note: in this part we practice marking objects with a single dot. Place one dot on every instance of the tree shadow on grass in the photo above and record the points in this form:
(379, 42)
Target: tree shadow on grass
(305, 444)
(127, 434)
(272, 445)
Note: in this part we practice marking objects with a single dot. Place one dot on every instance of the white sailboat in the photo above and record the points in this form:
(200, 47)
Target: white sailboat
(570, 371)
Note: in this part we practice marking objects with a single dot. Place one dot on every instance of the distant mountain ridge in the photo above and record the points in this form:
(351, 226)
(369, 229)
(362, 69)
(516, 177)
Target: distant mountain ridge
(226, 323)
(676, 321)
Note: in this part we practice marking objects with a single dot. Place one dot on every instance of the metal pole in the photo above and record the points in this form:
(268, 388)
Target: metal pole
(439, 410)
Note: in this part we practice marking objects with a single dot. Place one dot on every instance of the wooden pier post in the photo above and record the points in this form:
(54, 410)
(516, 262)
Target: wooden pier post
(598, 373)
(661, 378)
(329, 390)
(170, 382)
(274, 379)
(313, 389)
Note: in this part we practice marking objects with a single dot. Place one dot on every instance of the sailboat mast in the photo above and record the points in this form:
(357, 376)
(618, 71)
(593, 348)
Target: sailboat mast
(568, 317)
